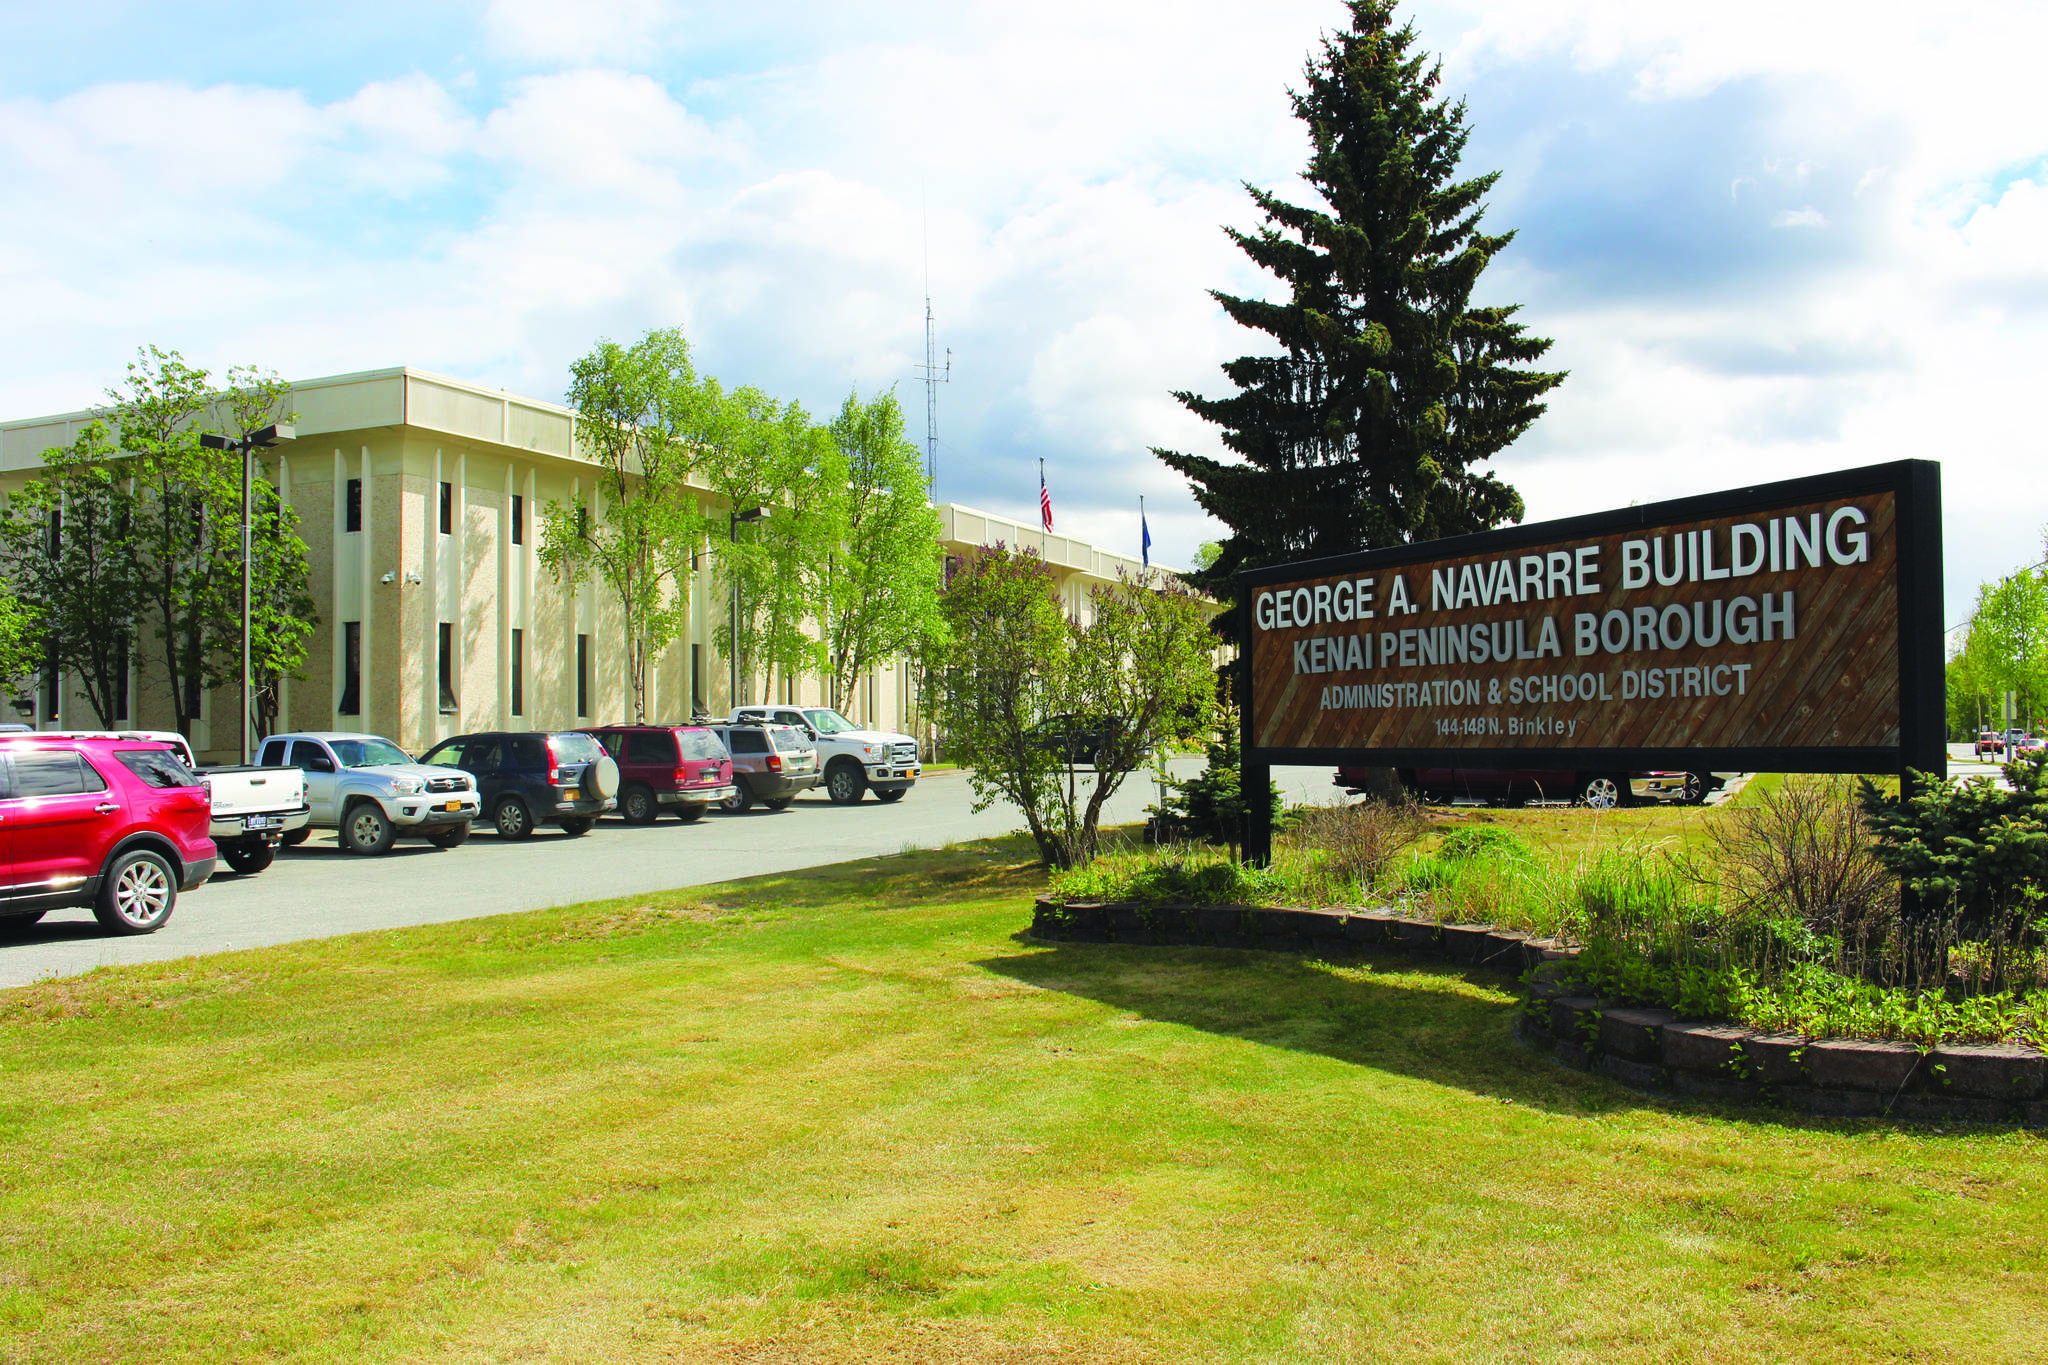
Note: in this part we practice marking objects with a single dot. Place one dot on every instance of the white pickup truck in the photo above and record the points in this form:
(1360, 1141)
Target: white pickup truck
(252, 807)
(854, 760)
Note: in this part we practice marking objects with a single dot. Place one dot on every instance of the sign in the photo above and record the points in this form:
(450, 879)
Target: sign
(1786, 627)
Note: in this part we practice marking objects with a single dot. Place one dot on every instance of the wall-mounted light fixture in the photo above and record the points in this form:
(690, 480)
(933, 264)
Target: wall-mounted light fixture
(390, 577)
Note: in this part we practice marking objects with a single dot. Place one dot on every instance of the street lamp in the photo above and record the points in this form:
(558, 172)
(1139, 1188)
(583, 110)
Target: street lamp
(244, 446)
(751, 514)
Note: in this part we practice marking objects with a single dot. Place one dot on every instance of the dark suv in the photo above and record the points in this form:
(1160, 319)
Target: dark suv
(110, 823)
(682, 767)
(772, 764)
(527, 778)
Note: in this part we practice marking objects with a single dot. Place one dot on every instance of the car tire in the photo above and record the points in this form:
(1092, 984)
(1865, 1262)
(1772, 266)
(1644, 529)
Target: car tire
(292, 838)
(578, 825)
(741, 800)
(845, 783)
(637, 805)
(893, 794)
(512, 818)
(449, 836)
(137, 894)
(779, 803)
(249, 859)
(1694, 791)
(691, 812)
(365, 829)
(1602, 791)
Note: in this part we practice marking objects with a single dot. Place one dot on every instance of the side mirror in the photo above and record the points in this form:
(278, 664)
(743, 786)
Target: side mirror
(813, 734)
(319, 763)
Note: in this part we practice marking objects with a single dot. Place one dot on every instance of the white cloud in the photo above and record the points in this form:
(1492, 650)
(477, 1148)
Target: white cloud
(576, 32)
(1808, 217)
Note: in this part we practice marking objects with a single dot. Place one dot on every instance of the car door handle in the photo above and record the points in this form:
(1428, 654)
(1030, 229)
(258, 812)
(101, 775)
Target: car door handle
(105, 808)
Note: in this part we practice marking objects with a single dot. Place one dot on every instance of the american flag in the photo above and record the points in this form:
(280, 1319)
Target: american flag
(1044, 498)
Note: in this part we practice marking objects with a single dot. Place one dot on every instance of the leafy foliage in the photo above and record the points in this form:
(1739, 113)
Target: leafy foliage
(1971, 847)
(1390, 390)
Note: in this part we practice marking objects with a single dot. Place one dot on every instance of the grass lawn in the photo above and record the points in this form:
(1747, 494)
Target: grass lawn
(849, 1115)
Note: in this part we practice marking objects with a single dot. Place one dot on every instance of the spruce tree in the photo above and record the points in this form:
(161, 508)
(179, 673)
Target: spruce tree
(1390, 392)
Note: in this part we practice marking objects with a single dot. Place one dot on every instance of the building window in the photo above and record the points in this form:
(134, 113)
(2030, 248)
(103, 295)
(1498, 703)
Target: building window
(444, 663)
(518, 671)
(121, 678)
(447, 509)
(582, 523)
(353, 517)
(52, 690)
(583, 675)
(697, 706)
(518, 518)
(351, 669)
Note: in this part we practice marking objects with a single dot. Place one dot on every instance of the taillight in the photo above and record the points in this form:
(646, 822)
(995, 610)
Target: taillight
(682, 777)
(775, 763)
(554, 764)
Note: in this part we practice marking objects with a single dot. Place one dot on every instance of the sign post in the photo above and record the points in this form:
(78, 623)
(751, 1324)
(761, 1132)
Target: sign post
(1787, 627)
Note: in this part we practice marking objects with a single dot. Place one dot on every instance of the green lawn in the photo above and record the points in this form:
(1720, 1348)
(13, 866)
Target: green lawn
(850, 1115)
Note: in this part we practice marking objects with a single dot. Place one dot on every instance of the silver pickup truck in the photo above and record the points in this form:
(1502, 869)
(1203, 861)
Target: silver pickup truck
(253, 807)
(371, 792)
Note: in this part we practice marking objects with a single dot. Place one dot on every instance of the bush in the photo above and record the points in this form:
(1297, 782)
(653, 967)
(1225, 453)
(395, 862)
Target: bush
(1971, 849)
(1802, 852)
(1179, 877)
(1211, 805)
(1353, 846)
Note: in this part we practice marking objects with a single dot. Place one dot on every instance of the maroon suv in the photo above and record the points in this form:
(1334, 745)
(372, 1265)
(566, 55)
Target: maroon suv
(683, 768)
(119, 825)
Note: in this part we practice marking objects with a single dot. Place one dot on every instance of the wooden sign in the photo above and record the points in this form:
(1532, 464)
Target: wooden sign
(1784, 627)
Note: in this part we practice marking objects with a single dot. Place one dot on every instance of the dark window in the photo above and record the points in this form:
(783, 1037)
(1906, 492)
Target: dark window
(273, 754)
(583, 523)
(351, 669)
(518, 518)
(583, 675)
(747, 741)
(353, 518)
(647, 747)
(701, 745)
(447, 509)
(518, 671)
(529, 753)
(481, 755)
(449, 755)
(697, 707)
(310, 756)
(59, 772)
(157, 768)
(52, 693)
(121, 677)
(445, 667)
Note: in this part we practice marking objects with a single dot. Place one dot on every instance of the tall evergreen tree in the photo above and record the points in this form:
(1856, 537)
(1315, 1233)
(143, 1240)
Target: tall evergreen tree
(1390, 391)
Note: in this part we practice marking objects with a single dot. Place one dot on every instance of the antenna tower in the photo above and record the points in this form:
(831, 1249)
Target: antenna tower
(934, 375)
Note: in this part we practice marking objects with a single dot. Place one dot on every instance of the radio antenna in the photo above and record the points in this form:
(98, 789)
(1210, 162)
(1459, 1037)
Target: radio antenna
(934, 374)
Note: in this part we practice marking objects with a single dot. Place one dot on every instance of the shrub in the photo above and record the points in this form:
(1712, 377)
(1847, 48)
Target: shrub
(1801, 851)
(1354, 845)
(1972, 849)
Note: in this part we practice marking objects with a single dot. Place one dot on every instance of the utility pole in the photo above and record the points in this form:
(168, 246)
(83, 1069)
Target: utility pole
(246, 446)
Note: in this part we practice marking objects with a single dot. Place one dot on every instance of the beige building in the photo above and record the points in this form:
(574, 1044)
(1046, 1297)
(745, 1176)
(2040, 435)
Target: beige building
(419, 498)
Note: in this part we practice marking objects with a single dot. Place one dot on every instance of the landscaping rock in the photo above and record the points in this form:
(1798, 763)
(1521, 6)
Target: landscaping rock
(2034, 1114)
(1537, 951)
(1547, 988)
(1414, 934)
(1860, 1064)
(1532, 1026)
(1575, 1018)
(1636, 1034)
(1322, 925)
(1703, 1047)
(1776, 1057)
(1720, 1089)
(1575, 1055)
(1501, 950)
(1996, 1071)
(1370, 927)
(1951, 1109)
(1640, 1075)
(1845, 1104)
(1462, 942)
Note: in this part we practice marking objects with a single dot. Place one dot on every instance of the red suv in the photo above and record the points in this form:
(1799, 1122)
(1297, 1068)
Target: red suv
(682, 767)
(119, 825)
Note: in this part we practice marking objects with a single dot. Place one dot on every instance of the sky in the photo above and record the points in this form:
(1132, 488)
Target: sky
(1768, 239)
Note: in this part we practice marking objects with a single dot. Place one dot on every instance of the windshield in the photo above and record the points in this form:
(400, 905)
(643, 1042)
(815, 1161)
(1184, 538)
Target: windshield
(367, 753)
(826, 721)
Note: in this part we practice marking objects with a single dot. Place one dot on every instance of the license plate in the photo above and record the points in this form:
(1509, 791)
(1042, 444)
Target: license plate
(451, 805)
(263, 822)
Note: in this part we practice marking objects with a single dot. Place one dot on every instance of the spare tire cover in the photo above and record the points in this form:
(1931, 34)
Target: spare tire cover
(601, 779)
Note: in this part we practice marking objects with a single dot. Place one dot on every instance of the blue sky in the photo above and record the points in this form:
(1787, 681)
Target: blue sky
(1768, 238)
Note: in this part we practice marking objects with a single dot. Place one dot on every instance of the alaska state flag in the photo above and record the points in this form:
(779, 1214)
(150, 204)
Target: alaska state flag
(1145, 547)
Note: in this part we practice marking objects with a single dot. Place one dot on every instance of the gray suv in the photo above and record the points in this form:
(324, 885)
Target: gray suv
(771, 764)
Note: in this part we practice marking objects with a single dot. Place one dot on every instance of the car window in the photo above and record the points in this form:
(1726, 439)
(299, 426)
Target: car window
(481, 755)
(790, 718)
(449, 755)
(826, 721)
(702, 746)
(54, 772)
(645, 747)
(157, 768)
(273, 753)
(309, 756)
(367, 753)
(530, 751)
(748, 742)
(574, 748)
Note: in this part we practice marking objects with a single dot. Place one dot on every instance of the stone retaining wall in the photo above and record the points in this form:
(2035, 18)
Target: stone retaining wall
(1651, 1050)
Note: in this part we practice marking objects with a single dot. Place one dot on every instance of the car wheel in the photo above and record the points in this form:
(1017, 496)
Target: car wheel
(292, 838)
(780, 803)
(449, 836)
(894, 794)
(1694, 791)
(1602, 791)
(138, 893)
(691, 813)
(365, 829)
(248, 858)
(638, 805)
(512, 820)
(577, 824)
(844, 784)
(741, 800)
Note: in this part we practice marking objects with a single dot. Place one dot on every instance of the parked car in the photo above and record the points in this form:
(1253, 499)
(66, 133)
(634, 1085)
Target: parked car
(854, 760)
(772, 764)
(2027, 744)
(681, 768)
(1506, 786)
(1989, 743)
(115, 824)
(372, 793)
(1079, 739)
(253, 806)
(1686, 789)
(526, 777)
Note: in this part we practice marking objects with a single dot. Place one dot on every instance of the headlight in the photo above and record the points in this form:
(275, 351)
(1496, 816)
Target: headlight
(406, 786)
(873, 750)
